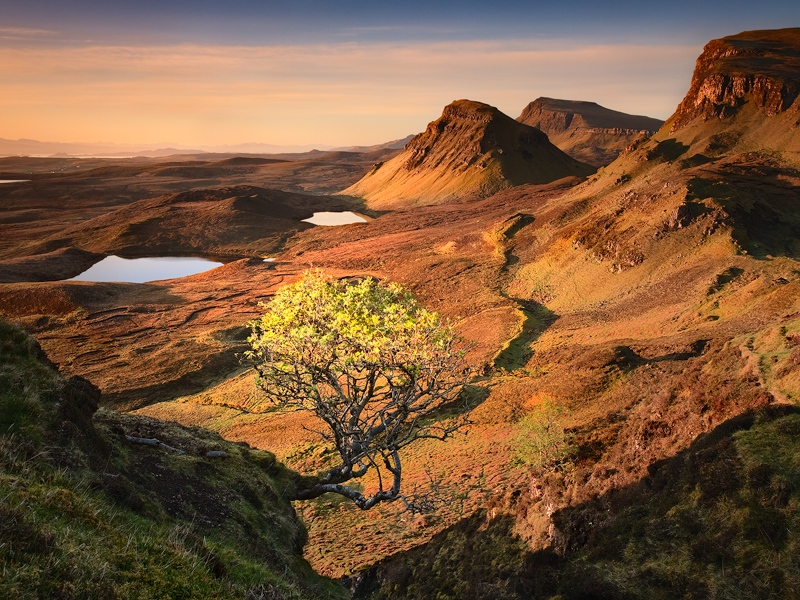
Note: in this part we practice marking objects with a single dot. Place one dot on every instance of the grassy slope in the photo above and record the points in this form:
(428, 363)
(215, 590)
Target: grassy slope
(719, 520)
(672, 278)
(670, 286)
(86, 514)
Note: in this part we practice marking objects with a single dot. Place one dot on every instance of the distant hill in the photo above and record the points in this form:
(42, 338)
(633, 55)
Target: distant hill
(585, 130)
(473, 150)
(195, 222)
(25, 147)
(393, 145)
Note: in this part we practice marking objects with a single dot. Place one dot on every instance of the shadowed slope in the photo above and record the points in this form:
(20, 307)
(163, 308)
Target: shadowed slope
(716, 521)
(94, 507)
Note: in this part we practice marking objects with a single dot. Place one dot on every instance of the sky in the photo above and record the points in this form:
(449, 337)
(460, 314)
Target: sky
(203, 74)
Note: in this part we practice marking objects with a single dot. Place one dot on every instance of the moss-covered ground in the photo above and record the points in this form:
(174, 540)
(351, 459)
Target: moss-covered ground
(85, 513)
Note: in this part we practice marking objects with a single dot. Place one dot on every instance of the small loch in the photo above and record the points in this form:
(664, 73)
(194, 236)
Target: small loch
(330, 219)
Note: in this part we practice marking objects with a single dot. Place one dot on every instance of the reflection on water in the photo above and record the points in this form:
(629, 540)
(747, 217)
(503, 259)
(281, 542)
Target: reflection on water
(140, 270)
(335, 218)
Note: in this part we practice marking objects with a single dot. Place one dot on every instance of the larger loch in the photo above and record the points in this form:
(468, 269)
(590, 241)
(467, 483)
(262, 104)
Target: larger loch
(142, 270)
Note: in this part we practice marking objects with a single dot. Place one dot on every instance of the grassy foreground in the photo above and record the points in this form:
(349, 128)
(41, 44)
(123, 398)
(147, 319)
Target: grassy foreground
(86, 513)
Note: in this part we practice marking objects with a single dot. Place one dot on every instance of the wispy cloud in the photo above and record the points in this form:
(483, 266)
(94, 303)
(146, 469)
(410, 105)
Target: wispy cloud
(24, 33)
(326, 93)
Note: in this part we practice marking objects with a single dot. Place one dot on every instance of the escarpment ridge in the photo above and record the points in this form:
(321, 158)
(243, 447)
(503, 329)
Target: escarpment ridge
(587, 131)
(757, 66)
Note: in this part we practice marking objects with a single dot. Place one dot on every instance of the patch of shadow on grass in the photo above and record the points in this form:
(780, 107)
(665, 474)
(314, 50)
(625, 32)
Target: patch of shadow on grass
(626, 359)
(216, 368)
(669, 150)
(472, 395)
(517, 351)
(479, 558)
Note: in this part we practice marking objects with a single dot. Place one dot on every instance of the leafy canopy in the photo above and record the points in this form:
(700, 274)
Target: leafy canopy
(368, 360)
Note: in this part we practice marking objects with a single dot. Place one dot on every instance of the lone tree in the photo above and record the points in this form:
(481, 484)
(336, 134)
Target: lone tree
(543, 443)
(369, 361)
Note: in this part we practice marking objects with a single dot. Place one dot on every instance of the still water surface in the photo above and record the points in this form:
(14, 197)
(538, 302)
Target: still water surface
(140, 270)
(329, 219)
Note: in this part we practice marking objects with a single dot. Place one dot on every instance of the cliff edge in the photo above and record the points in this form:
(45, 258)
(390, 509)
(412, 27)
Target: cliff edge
(744, 95)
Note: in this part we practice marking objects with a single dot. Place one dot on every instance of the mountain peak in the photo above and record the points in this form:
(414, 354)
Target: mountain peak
(472, 150)
(470, 110)
(466, 131)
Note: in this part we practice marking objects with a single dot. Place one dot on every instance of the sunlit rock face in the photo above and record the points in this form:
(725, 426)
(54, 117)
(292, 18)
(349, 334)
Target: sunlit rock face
(757, 67)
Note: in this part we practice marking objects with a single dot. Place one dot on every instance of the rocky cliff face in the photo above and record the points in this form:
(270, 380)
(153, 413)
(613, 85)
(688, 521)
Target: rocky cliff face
(758, 67)
(466, 132)
(585, 130)
(472, 150)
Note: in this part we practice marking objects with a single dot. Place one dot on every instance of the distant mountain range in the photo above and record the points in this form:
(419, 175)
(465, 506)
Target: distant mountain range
(25, 147)
(586, 131)
(393, 145)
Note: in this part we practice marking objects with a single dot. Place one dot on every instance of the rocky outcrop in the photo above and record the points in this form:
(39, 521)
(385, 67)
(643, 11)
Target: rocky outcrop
(473, 150)
(758, 67)
(585, 130)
